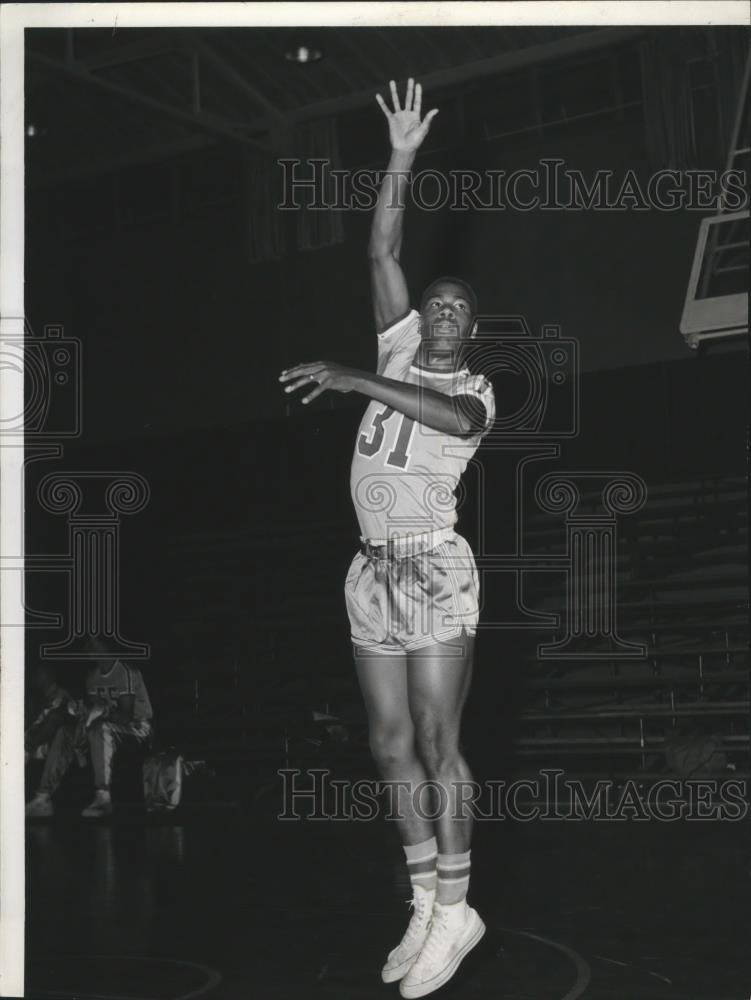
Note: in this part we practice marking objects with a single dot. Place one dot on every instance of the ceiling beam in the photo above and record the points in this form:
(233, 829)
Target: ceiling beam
(156, 45)
(225, 69)
(576, 44)
(231, 45)
(201, 121)
(425, 37)
(359, 52)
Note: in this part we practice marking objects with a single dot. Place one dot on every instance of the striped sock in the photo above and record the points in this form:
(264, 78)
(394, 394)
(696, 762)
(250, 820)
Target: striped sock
(453, 878)
(421, 860)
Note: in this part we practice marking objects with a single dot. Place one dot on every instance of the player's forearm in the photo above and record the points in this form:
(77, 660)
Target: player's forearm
(388, 218)
(427, 406)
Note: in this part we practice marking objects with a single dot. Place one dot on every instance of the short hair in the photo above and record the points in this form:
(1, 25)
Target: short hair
(469, 292)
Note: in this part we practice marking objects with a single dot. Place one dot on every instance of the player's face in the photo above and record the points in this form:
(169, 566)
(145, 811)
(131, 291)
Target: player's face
(446, 315)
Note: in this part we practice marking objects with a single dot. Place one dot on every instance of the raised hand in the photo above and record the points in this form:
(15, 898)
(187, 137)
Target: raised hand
(406, 131)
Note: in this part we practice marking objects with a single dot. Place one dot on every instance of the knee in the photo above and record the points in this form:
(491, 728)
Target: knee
(391, 746)
(437, 744)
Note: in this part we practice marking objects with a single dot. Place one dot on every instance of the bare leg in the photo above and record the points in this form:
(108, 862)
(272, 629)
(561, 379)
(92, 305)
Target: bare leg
(383, 682)
(438, 678)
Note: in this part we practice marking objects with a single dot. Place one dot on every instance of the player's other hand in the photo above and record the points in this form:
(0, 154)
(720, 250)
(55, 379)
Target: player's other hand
(321, 375)
(406, 131)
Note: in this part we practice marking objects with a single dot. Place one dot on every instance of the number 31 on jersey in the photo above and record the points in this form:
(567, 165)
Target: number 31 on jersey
(370, 444)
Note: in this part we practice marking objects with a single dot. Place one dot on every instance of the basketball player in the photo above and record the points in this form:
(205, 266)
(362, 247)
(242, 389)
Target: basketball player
(412, 589)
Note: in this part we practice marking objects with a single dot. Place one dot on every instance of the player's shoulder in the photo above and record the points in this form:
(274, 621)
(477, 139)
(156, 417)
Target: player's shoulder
(400, 326)
(397, 345)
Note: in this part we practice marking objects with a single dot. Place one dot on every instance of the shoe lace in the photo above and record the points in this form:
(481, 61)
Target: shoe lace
(418, 904)
(438, 928)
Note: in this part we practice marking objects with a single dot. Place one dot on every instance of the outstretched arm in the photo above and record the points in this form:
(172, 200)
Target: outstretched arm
(456, 415)
(406, 132)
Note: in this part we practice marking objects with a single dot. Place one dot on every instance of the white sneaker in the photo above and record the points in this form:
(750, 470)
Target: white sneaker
(98, 808)
(405, 953)
(454, 930)
(40, 805)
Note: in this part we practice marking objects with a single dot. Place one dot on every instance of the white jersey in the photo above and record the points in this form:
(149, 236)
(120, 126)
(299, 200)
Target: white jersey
(120, 679)
(404, 474)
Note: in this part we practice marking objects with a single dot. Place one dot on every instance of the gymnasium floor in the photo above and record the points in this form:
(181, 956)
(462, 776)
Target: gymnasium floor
(223, 902)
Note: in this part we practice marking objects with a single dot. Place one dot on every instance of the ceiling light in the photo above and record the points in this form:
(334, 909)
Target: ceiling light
(303, 54)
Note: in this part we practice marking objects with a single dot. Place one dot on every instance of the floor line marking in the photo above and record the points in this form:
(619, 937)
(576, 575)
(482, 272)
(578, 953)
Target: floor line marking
(583, 970)
(612, 961)
(213, 978)
(663, 978)
(626, 965)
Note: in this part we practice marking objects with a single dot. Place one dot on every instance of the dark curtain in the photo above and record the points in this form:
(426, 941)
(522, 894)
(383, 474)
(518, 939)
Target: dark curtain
(315, 227)
(732, 55)
(319, 227)
(262, 193)
(668, 118)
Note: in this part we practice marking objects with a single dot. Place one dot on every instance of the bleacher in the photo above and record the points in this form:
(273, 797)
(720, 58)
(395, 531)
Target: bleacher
(682, 592)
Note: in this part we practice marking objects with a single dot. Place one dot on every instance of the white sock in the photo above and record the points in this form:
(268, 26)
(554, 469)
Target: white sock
(453, 878)
(423, 856)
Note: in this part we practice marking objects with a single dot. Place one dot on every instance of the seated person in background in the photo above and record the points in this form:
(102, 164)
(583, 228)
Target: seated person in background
(118, 713)
(54, 706)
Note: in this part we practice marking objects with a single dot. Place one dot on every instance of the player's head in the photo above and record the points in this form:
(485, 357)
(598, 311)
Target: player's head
(448, 307)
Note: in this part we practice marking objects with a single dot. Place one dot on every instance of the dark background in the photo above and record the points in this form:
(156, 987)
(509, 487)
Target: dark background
(242, 549)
